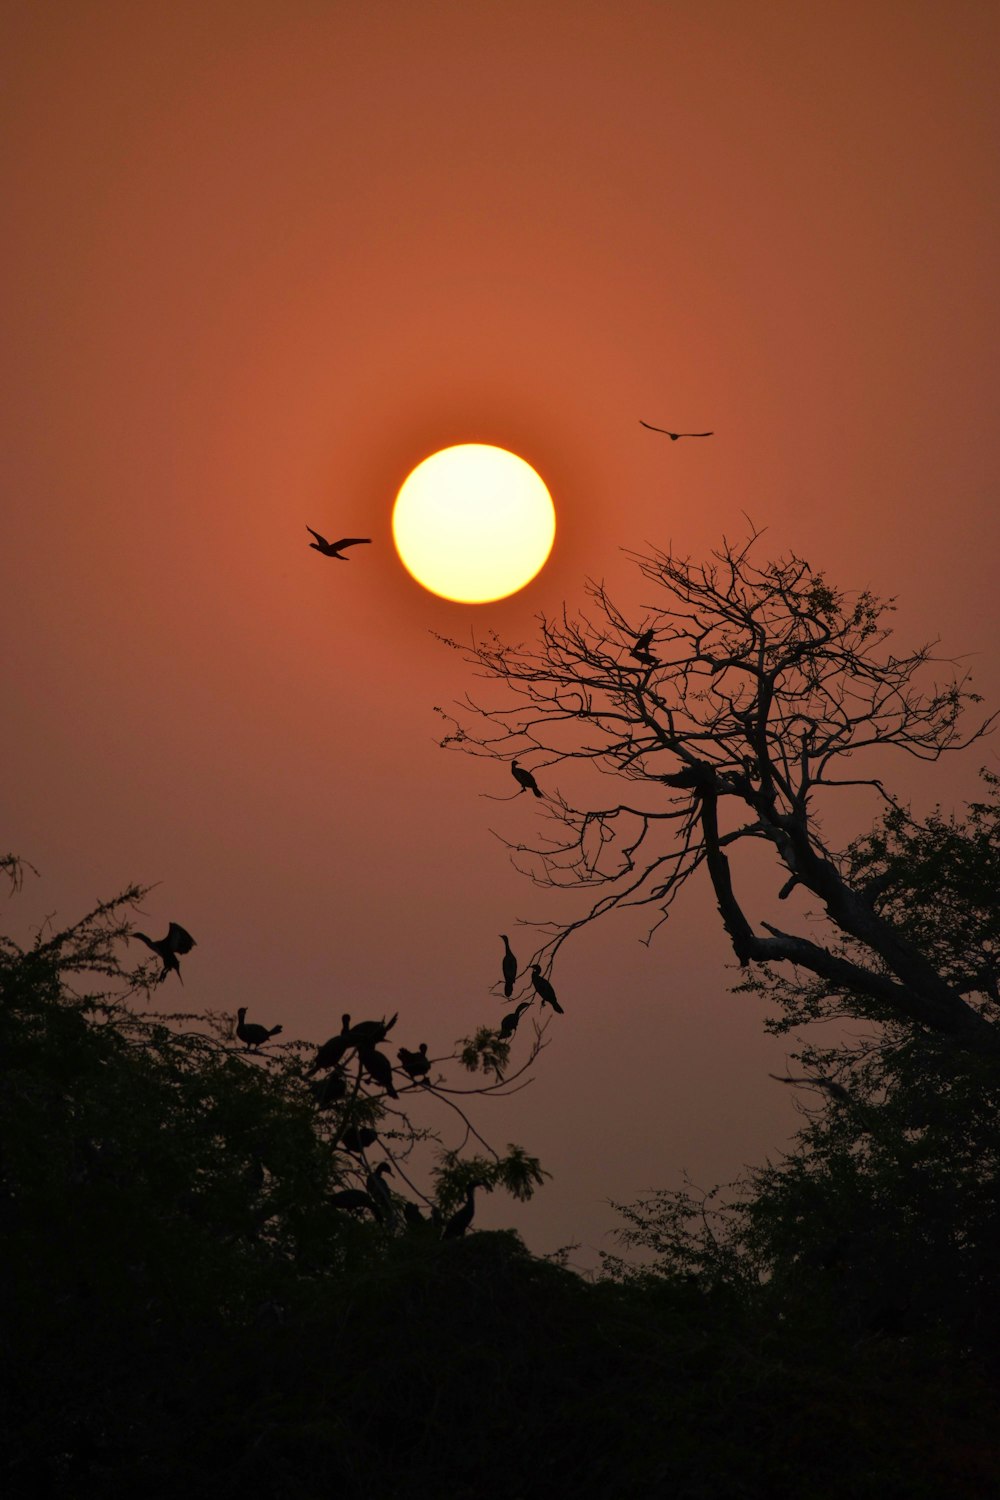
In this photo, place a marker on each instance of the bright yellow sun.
(473, 523)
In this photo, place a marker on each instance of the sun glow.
(473, 523)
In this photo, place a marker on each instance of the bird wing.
(658, 429)
(321, 539)
(178, 939)
(696, 434)
(350, 541)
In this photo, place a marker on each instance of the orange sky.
(261, 260)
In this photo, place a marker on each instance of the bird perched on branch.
(251, 1033)
(830, 1085)
(368, 1033)
(641, 650)
(378, 1066)
(509, 1023)
(417, 1064)
(177, 942)
(332, 1051)
(378, 1192)
(508, 967)
(459, 1222)
(673, 436)
(358, 1138)
(333, 549)
(524, 778)
(330, 1090)
(544, 989)
(351, 1199)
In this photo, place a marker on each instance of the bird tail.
(274, 1030)
(556, 1006)
(508, 989)
(536, 791)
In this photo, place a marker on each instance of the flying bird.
(508, 967)
(524, 778)
(252, 1034)
(509, 1023)
(673, 436)
(544, 989)
(333, 549)
(415, 1063)
(177, 941)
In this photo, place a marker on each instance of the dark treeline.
(185, 1311)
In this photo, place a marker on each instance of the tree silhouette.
(770, 693)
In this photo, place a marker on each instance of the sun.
(473, 523)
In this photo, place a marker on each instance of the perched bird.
(544, 989)
(252, 1034)
(368, 1033)
(332, 549)
(830, 1085)
(375, 1183)
(378, 1066)
(358, 1138)
(177, 941)
(459, 1222)
(415, 1063)
(641, 650)
(525, 779)
(411, 1213)
(509, 1023)
(331, 1052)
(673, 436)
(352, 1198)
(330, 1090)
(508, 967)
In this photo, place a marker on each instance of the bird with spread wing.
(333, 549)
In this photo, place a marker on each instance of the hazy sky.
(261, 259)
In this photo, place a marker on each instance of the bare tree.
(747, 695)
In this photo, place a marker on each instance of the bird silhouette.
(417, 1064)
(252, 1034)
(177, 941)
(673, 436)
(368, 1033)
(352, 1198)
(358, 1138)
(330, 1090)
(332, 549)
(459, 1222)
(379, 1193)
(524, 778)
(641, 650)
(378, 1066)
(331, 1052)
(508, 967)
(830, 1085)
(509, 1023)
(544, 989)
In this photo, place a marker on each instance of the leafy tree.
(884, 1218)
(746, 698)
